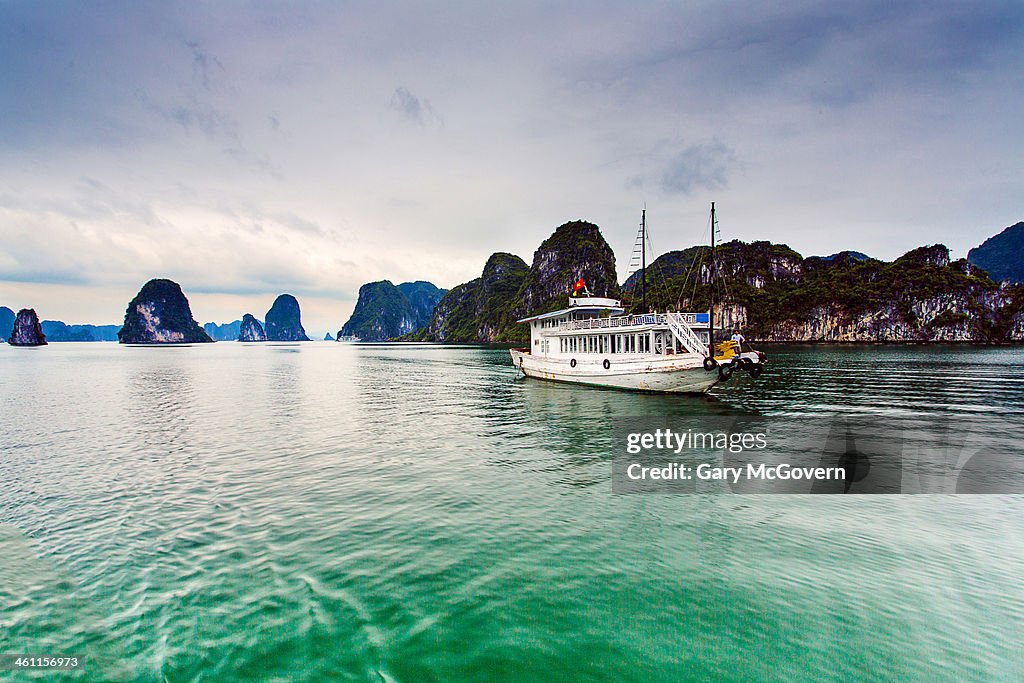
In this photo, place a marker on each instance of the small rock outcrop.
(284, 320)
(26, 330)
(160, 314)
(250, 330)
(328, 337)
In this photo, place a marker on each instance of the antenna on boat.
(643, 259)
(638, 260)
(714, 278)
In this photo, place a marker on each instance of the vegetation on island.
(486, 309)
(386, 311)
(160, 313)
(777, 287)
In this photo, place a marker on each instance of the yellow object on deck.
(725, 350)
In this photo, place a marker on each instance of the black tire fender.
(607, 364)
(725, 372)
(572, 363)
(710, 363)
(756, 370)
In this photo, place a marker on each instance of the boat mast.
(714, 279)
(643, 259)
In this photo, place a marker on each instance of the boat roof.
(591, 307)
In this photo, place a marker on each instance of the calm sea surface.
(414, 513)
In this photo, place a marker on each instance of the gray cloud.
(412, 108)
(202, 63)
(703, 166)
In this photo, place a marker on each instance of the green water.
(370, 513)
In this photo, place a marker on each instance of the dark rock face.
(1002, 256)
(386, 311)
(284, 320)
(478, 311)
(26, 330)
(756, 264)
(250, 330)
(328, 337)
(223, 332)
(773, 294)
(422, 297)
(382, 312)
(6, 322)
(575, 250)
(160, 314)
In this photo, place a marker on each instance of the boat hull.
(683, 374)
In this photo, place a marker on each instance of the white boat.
(593, 342)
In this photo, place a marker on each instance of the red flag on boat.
(578, 286)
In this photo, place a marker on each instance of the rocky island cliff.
(160, 314)
(284, 320)
(386, 311)
(26, 330)
(477, 311)
(774, 294)
(250, 329)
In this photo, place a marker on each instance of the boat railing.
(620, 321)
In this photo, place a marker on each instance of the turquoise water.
(379, 513)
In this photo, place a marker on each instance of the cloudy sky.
(249, 149)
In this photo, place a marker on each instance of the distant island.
(160, 314)
(224, 331)
(26, 330)
(283, 321)
(251, 330)
(386, 311)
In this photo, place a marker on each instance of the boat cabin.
(596, 325)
